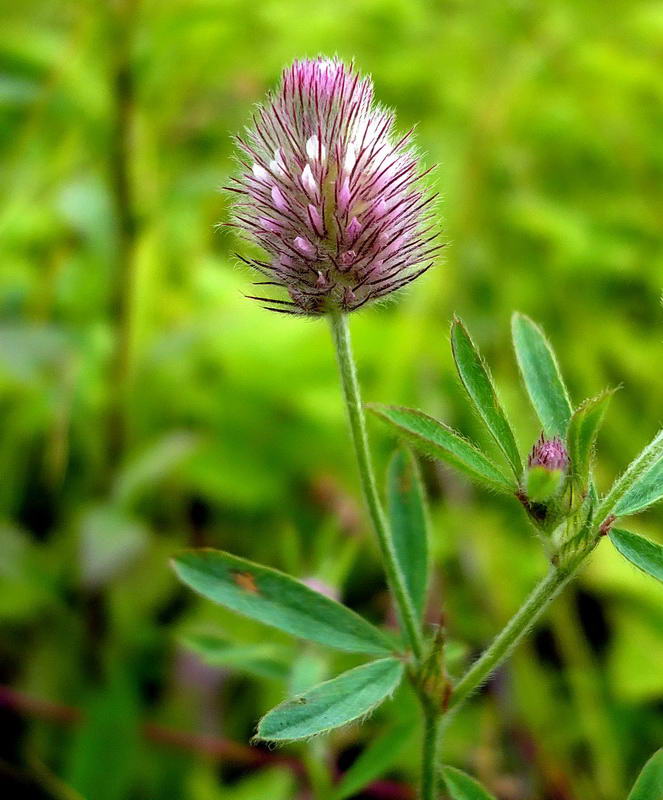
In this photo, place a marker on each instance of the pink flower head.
(329, 192)
(549, 453)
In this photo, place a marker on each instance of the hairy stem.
(395, 579)
(429, 755)
(515, 630)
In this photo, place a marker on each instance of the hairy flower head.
(329, 192)
(550, 454)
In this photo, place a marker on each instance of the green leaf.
(461, 787)
(646, 491)
(351, 695)
(433, 438)
(645, 554)
(541, 374)
(265, 660)
(640, 485)
(649, 785)
(276, 599)
(479, 386)
(407, 518)
(374, 761)
(581, 437)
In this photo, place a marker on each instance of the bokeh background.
(146, 405)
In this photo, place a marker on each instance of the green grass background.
(147, 405)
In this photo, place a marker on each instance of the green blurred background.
(147, 405)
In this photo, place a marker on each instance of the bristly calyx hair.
(551, 454)
(338, 202)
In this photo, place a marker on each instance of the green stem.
(395, 579)
(429, 755)
(514, 631)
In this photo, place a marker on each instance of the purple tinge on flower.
(333, 197)
(549, 453)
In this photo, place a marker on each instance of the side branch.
(514, 631)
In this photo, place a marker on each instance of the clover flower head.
(550, 454)
(335, 199)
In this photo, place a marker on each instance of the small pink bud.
(550, 454)
(392, 247)
(304, 246)
(279, 199)
(347, 259)
(270, 225)
(349, 297)
(315, 220)
(381, 209)
(344, 196)
(353, 229)
(546, 469)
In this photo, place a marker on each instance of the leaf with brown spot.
(246, 581)
(276, 599)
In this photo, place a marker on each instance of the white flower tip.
(308, 181)
(260, 172)
(350, 157)
(315, 150)
(277, 169)
(277, 164)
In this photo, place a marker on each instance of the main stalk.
(352, 395)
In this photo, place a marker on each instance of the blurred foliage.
(147, 405)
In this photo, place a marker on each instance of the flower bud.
(328, 189)
(547, 466)
(549, 453)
